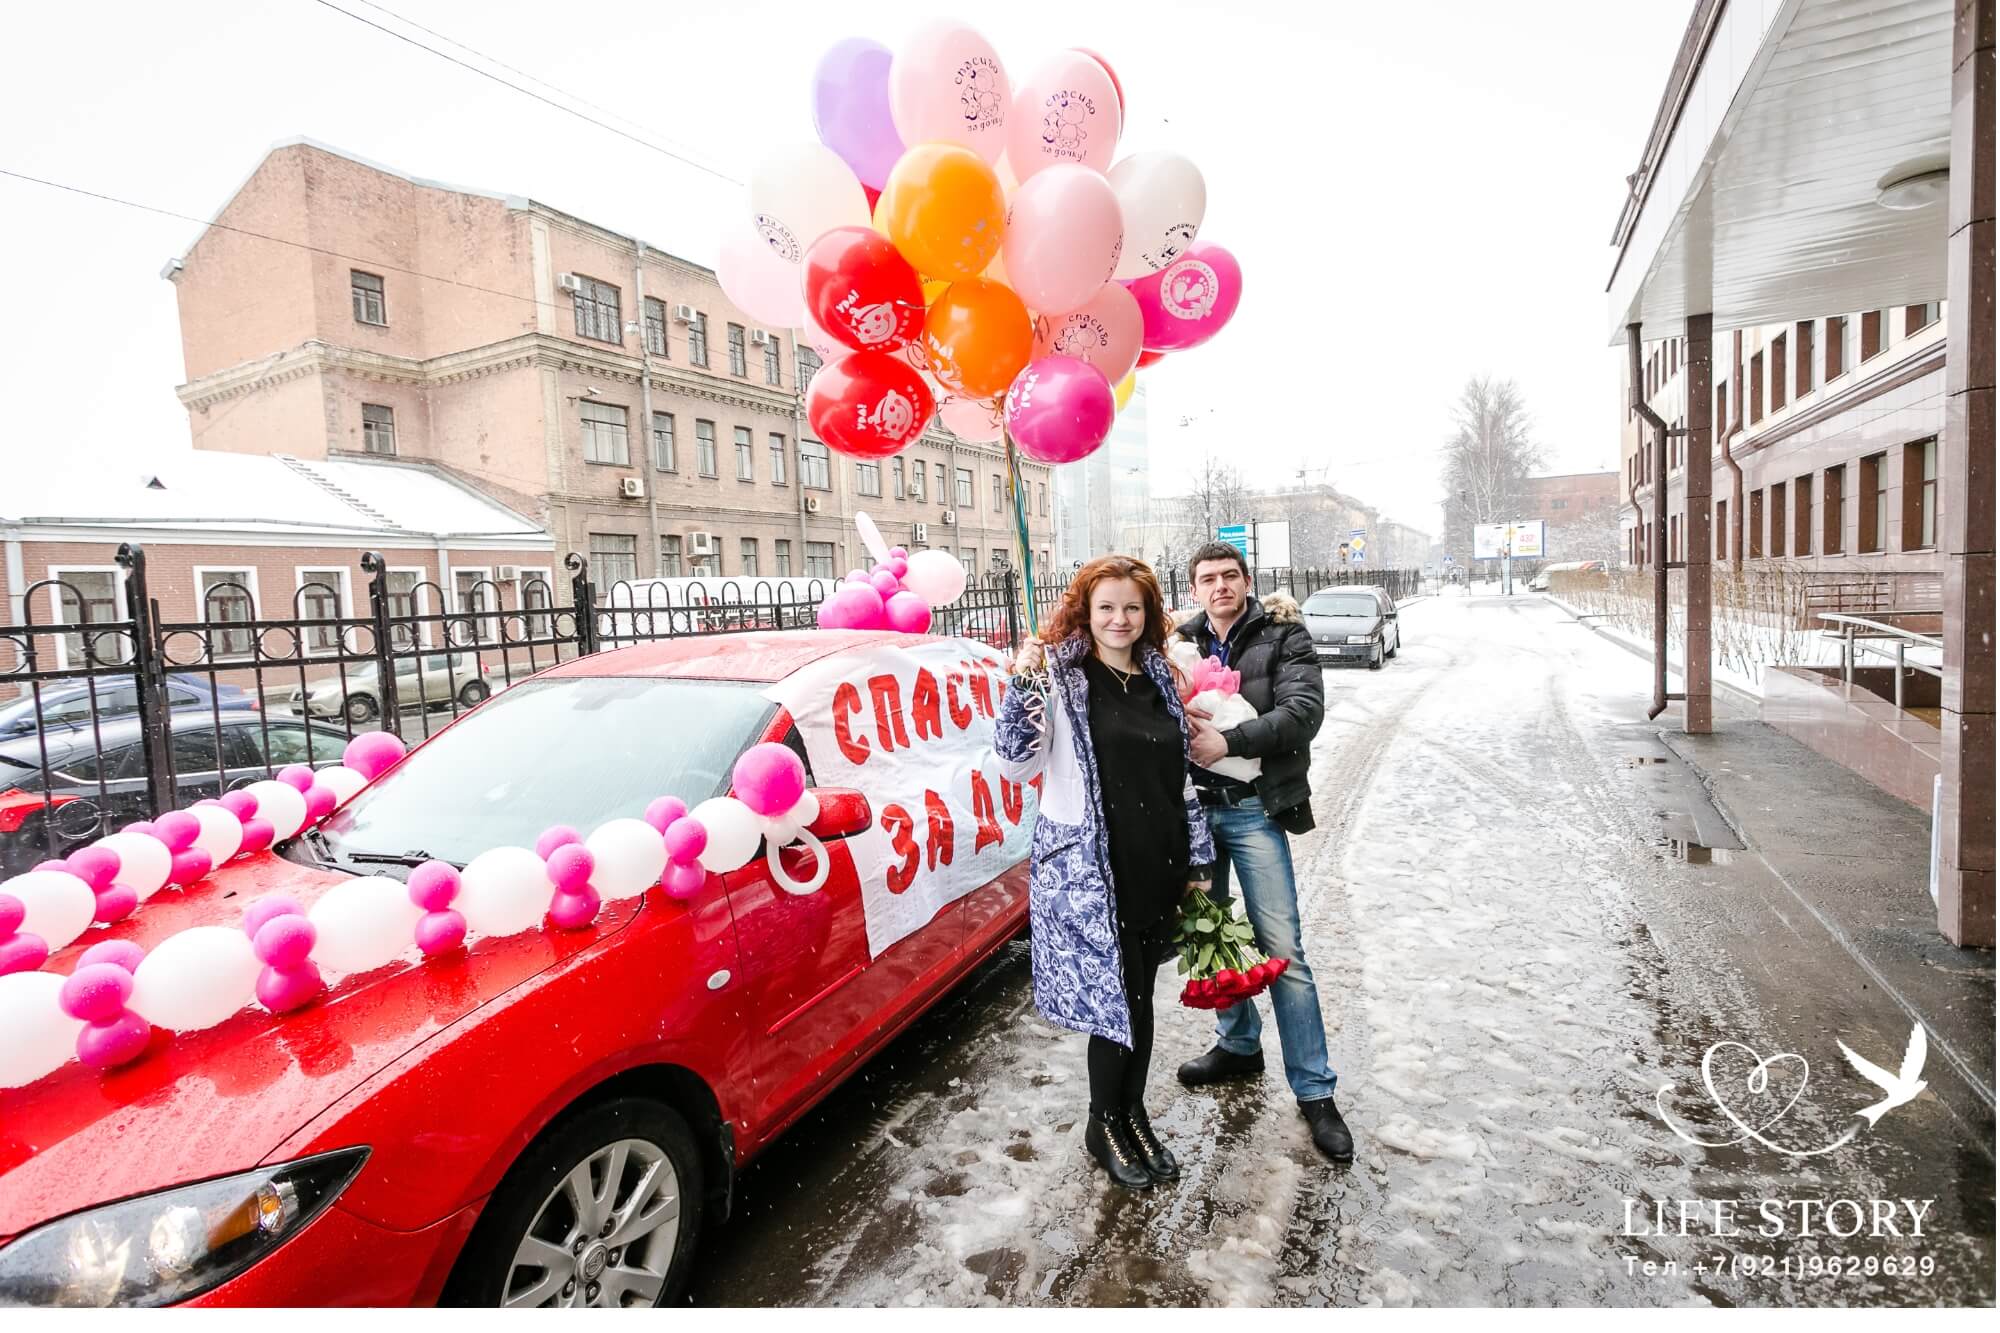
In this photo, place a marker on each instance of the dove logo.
(1729, 1083)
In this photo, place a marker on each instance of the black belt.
(1234, 793)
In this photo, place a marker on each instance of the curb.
(1584, 618)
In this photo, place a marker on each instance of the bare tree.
(1487, 460)
(1216, 497)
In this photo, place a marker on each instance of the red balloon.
(861, 291)
(1151, 358)
(1116, 86)
(869, 404)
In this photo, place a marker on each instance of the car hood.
(1317, 625)
(202, 1104)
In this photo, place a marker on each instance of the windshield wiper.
(414, 858)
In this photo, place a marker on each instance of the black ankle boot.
(1158, 1160)
(1109, 1139)
(1329, 1130)
(1219, 1065)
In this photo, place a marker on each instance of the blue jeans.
(1246, 839)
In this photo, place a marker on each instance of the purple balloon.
(1187, 302)
(850, 97)
(1060, 409)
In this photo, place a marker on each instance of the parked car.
(1353, 623)
(552, 1117)
(1540, 583)
(68, 703)
(357, 697)
(96, 779)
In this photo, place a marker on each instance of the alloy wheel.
(604, 1236)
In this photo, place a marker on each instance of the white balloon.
(1163, 198)
(221, 832)
(36, 1036)
(733, 833)
(822, 867)
(803, 815)
(60, 906)
(195, 979)
(799, 194)
(936, 576)
(281, 805)
(143, 861)
(504, 891)
(342, 781)
(871, 537)
(630, 855)
(363, 924)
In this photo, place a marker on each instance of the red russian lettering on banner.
(846, 703)
(888, 697)
(896, 822)
(961, 712)
(943, 834)
(1011, 804)
(982, 693)
(988, 834)
(924, 708)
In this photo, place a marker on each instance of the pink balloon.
(12, 913)
(973, 419)
(769, 778)
(285, 941)
(440, 932)
(178, 829)
(257, 835)
(574, 910)
(559, 835)
(118, 1042)
(946, 85)
(757, 279)
(96, 993)
(297, 776)
(22, 953)
(433, 885)
(145, 826)
(570, 867)
(663, 811)
(898, 565)
(190, 866)
(373, 753)
(1107, 331)
(686, 840)
(855, 606)
(1190, 300)
(239, 803)
(899, 553)
(884, 583)
(1066, 111)
(120, 953)
(319, 803)
(283, 989)
(684, 881)
(909, 614)
(95, 866)
(269, 908)
(116, 903)
(1064, 234)
(1060, 409)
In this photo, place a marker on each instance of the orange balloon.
(933, 289)
(978, 337)
(944, 209)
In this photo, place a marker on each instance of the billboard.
(1525, 541)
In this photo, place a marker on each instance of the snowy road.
(1512, 962)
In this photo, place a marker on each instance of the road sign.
(1237, 535)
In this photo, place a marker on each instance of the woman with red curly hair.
(1119, 838)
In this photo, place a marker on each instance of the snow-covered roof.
(347, 501)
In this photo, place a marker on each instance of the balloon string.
(1020, 488)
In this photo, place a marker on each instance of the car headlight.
(174, 1245)
(1361, 638)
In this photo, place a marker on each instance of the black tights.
(1118, 1076)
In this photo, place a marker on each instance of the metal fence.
(112, 713)
(1302, 583)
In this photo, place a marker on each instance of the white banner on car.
(912, 729)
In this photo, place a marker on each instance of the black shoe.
(1109, 1139)
(1154, 1153)
(1329, 1131)
(1219, 1065)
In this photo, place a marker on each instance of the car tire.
(473, 693)
(532, 1205)
(360, 708)
(1375, 662)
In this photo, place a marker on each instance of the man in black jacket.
(1268, 643)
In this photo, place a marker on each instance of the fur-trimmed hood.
(1279, 606)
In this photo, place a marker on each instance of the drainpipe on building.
(799, 453)
(17, 584)
(646, 471)
(1659, 551)
(1735, 500)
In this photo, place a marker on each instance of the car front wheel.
(1375, 662)
(603, 1211)
(360, 708)
(473, 693)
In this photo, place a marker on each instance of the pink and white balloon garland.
(898, 592)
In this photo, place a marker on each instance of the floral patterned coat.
(1072, 916)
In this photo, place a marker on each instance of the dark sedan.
(69, 703)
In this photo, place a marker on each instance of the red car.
(547, 1118)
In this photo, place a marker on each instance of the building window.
(965, 488)
(746, 455)
(999, 504)
(781, 555)
(228, 596)
(706, 564)
(868, 479)
(595, 305)
(777, 459)
(537, 599)
(1756, 388)
(321, 595)
(772, 343)
(970, 559)
(749, 557)
(917, 487)
(403, 595)
(1722, 529)
(477, 601)
(1833, 509)
(698, 341)
(808, 363)
(670, 557)
(378, 429)
(656, 326)
(1920, 495)
(614, 559)
(704, 448)
(1874, 535)
(604, 434)
(1836, 347)
(1756, 533)
(369, 305)
(738, 354)
(88, 597)
(1778, 365)
(898, 488)
(1042, 498)
(1802, 515)
(815, 468)
(1917, 318)
(1874, 334)
(1721, 410)
(1802, 339)
(1558, 503)
(663, 442)
(1777, 520)
(819, 560)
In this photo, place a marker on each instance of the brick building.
(602, 387)
(1580, 510)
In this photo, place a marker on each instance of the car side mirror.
(843, 812)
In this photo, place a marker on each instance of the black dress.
(1142, 767)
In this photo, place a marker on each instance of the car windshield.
(1342, 604)
(575, 750)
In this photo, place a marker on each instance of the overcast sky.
(1417, 192)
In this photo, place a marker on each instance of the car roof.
(124, 729)
(763, 657)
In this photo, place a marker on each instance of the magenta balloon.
(908, 613)
(850, 96)
(1060, 409)
(1188, 302)
(769, 778)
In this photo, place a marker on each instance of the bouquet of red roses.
(1215, 947)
